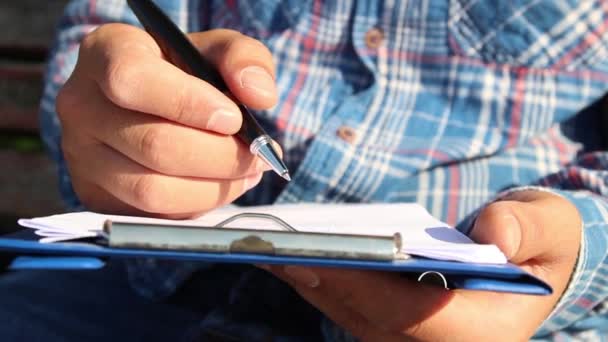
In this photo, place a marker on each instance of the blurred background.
(28, 184)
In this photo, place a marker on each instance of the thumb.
(530, 225)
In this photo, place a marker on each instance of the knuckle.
(119, 80)
(184, 104)
(148, 192)
(154, 147)
(94, 39)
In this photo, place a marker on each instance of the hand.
(538, 231)
(141, 136)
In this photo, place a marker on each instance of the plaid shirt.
(445, 103)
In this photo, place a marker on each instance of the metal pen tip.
(262, 147)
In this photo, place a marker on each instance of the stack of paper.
(423, 235)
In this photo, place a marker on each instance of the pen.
(174, 43)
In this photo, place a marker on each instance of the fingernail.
(259, 80)
(224, 121)
(252, 181)
(302, 276)
(513, 234)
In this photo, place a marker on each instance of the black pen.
(174, 43)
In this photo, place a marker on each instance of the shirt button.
(347, 134)
(374, 37)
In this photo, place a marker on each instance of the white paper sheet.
(423, 235)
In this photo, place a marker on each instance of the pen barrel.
(175, 45)
(250, 129)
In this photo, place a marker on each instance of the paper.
(423, 235)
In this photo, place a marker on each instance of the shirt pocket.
(530, 33)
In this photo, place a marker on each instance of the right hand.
(140, 136)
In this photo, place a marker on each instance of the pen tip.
(286, 176)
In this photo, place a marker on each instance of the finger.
(397, 306)
(97, 199)
(245, 64)
(132, 74)
(529, 225)
(167, 147)
(391, 294)
(149, 191)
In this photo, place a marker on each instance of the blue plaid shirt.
(445, 103)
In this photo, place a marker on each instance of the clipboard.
(124, 240)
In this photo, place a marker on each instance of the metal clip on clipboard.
(285, 242)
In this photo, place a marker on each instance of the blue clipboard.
(87, 255)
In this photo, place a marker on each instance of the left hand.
(538, 231)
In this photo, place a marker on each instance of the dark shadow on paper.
(447, 234)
